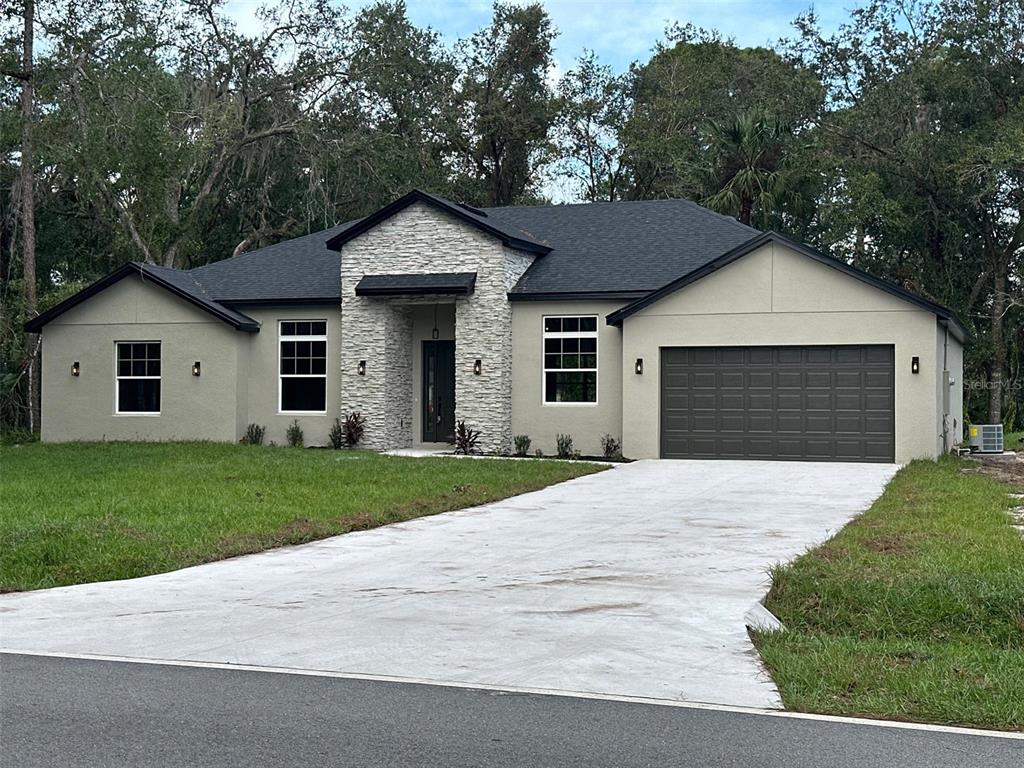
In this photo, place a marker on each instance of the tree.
(507, 105)
(747, 179)
(593, 103)
(26, 189)
(155, 121)
(926, 118)
(391, 125)
(695, 80)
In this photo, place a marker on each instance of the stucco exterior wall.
(775, 296)
(422, 239)
(206, 407)
(586, 422)
(259, 380)
(949, 411)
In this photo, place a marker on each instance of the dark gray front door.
(811, 403)
(438, 391)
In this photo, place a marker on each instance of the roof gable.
(179, 283)
(509, 235)
(944, 314)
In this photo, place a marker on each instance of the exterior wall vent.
(986, 438)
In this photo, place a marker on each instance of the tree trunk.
(997, 319)
(746, 209)
(28, 214)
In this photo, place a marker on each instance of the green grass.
(1013, 441)
(87, 512)
(914, 611)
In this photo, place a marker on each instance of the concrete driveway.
(633, 581)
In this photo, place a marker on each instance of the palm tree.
(747, 175)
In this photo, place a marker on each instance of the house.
(677, 330)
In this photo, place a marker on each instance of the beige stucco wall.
(259, 390)
(949, 353)
(193, 408)
(775, 296)
(584, 421)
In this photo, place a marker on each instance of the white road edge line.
(529, 691)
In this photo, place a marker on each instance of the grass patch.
(85, 512)
(914, 611)
(1013, 441)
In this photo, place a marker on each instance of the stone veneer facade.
(419, 239)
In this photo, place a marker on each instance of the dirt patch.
(360, 522)
(1005, 468)
(888, 545)
(300, 528)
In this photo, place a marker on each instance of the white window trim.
(282, 376)
(118, 378)
(544, 335)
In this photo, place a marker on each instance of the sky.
(619, 31)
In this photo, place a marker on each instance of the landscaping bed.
(914, 611)
(84, 512)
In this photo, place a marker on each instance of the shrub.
(254, 434)
(563, 446)
(337, 435)
(612, 448)
(522, 444)
(294, 434)
(16, 436)
(353, 426)
(465, 438)
(539, 453)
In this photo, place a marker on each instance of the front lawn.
(85, 512)
(914, 611)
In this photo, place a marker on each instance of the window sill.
(302, 413)
(570, 405)
(148, 414)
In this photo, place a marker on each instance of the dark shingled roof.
(423, 284)
(296, 270)
(623, 249)
(619, 248)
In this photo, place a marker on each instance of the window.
(570, 359)
(138, 377)
(303, 366)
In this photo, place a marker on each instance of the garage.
(818, 403)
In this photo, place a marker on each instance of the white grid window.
(137, 377)
(303, 366)
(570, 359)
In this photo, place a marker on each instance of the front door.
(438, 391)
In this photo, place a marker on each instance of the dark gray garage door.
(812, 403)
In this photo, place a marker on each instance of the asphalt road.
(64, 712)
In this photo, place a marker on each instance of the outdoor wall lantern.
(639, 368)
(76, 368)
(915, 365)
(478, 367)
(196, 368)
(361, 368)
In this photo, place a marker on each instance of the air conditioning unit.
(986, 438)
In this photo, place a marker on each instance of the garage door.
(810, 403)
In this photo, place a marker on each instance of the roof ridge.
(652, 201)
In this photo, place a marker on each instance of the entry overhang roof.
(418, 284)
